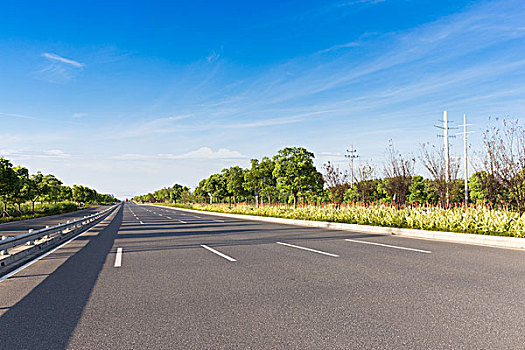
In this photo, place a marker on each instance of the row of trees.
(174, 194)
(499, 179)
(290, 176)
(17, 187)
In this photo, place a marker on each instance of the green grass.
(41, 210)
(478, 220)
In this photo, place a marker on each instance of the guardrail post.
(46, 236)
(31, 242)
(4, 251)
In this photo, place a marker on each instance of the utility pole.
(352, 156)
(447, 152)
(465, 154)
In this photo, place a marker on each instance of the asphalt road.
(19, 227)
(172, 289)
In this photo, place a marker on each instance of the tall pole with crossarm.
(465, 155)
(352, 156)
(445, 128)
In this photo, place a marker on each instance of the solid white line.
(309, 249)
(218, 253)
(118, 258)
(41, 257)
(389, 246)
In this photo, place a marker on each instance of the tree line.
(291, 177)
(17, 187)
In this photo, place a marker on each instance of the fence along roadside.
(17, 250)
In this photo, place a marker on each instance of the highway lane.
(18, 227)
(315, 291)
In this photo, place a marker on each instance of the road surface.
(159, 278)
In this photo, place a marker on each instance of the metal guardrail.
(30, 237)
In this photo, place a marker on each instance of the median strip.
(218, 253)
(389, 246)
(308, 249)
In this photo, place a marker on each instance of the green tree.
(8, 183)
(23, 187)
(215, 186)
(176, 192)
(252, 180)
(37, 189)
(54, 186)
(79, 194)
(234, 177)
(268, 182)
(484, 188)
(295, 172)
(417, 190)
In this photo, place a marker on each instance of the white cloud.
(206, 153)
(79, 115)
(201, 153)
(56, 153)
(57, 58)
(28, 155)
(133, 156)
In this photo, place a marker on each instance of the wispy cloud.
(56, 153)
(14, 115)
(339, 47)
(20, 154)
(57, 58)
(201, 153)
(133, 156)
(206, 153)
(58, 69)
(79, 115)
(214, 56)
(360, 2)
(395, 75)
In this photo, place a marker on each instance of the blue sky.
(128, 97)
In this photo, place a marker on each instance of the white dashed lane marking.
(218, 253)
(308, 249)
(389, 246)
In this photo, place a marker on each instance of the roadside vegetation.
(481, 220)
(24, 196)
(288, 185)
